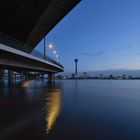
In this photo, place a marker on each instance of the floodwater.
(71, 110)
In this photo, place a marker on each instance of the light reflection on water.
(25, 84)
(52, 108)
(72, 110)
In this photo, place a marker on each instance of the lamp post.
(44, 48)
(59, 59)
(75, 60)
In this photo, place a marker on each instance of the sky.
(102, 34)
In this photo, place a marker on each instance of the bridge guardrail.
(7, 40)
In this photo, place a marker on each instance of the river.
(70, 110)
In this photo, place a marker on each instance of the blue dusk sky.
(102, 34)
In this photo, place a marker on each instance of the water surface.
(71, 110)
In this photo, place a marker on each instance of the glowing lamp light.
(50, 46)
(54, 52)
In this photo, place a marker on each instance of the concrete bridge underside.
(23, 24)
(28, 21)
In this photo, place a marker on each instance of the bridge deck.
(19, 60)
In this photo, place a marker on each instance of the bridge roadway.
(19, 61)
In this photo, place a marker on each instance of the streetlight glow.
(54, 52)
(50, 46)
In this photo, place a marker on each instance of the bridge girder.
(28, 21)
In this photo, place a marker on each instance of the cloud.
(129, 47)
(99, 53)
(133, 54)
(87, 54)
(102, 52)
(105, 52)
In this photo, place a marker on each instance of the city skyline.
(103, 35)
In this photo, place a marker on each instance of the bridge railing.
(7, 40)
(40, 55)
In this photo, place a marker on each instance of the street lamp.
(44, 48)
(50, 46)
(54, 52)
(58, 57)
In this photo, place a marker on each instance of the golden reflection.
(25, 84)
(52, 108)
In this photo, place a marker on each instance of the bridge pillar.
(22, 76)
(26, 77)
(42, 77)
(1, 75)
(37, 77)
(14, 76)
(51, 77)
(10, 76)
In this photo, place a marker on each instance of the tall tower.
(75, 60)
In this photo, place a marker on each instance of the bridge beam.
(26, 62)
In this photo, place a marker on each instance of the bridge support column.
(42, 77)
(10, 76)
(1, 75)
(26, 77)
(22, 76)
(37, 77)
(14, 77)
(51, 77)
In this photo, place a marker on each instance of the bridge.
(23, 25)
